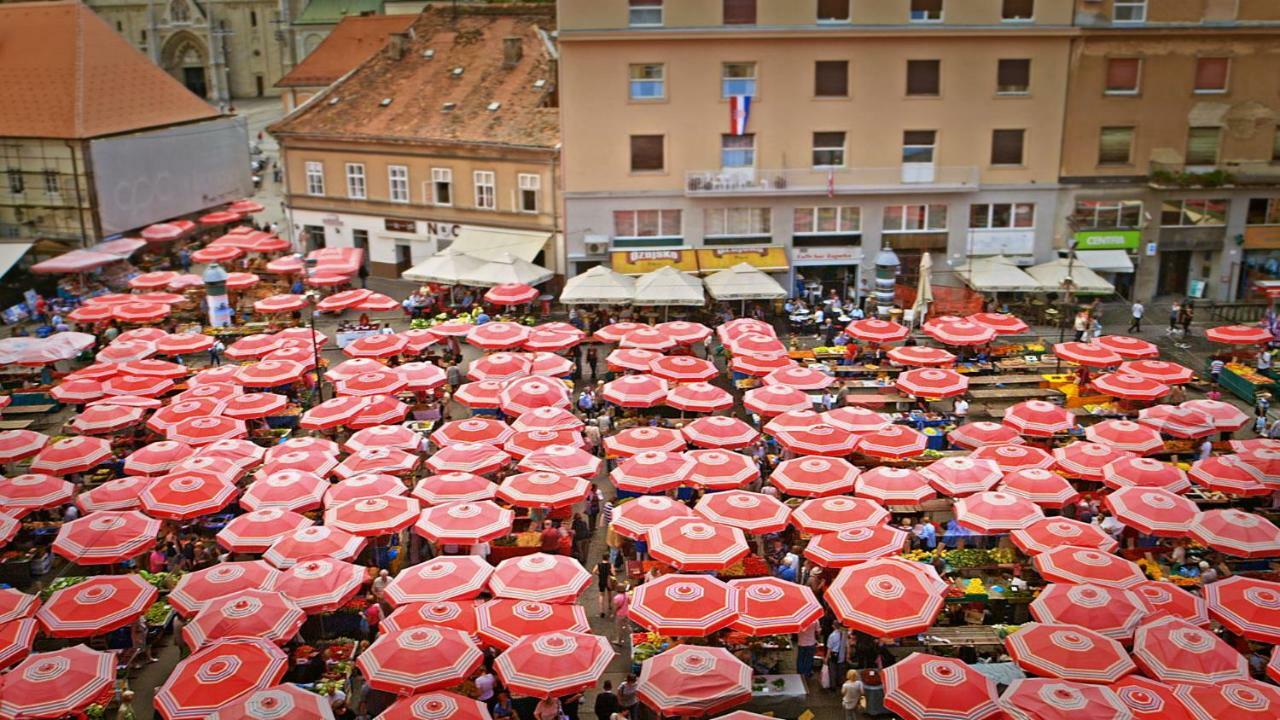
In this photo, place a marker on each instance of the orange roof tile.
(403, 99)
(350, 43)
(65, 73)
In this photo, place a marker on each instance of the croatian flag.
(739, 113)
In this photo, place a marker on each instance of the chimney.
(512, 51)
(395, 45)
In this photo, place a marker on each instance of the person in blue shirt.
(482, 318)
(927, 534)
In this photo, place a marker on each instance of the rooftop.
(448, 79)
(65, 73)
(328, 12)
(353, 41)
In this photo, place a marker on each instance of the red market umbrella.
(683, 368)
(751, 512)
(454, 487)
(959, 332)
(1081, 565)
(636, 391)
(252, 406)
(269, 373)
(855, 545)
(436, 706)
(1131, 387)
(137, 385)
(379, 410)
(394, 436)
(152, 280)
(530, 393)
(152, 368)
(633, 359)
(332, 413)
(343, 300)
(374, 516)
(719, 431)
(1087, 354)
(280, 304)
(895, 442)
(214, 467)
(562, 459)
(540, 489)
(651, 472)
(926, 687)
(540, 578)
(497, 335)
(253, 346)
(1044, 488)
(800, 378)
(1152, 510)
(550, 341)
(353, 367)
(524, 443)
(1237, 533)
(1226, 417)
(1003, 324)
(756, 344)
(1173, 650)
(106, 537)
(196, 589)
(446, 578)
(255, 531)
(464, 523)
(56, 684)
(1014, 457)
(760, 365)
(1246, 606)
(317, 461)
(511, 294)
(1225, 473)
(814, 476)
(877, 331)
(1125, 435)
(34, 491)
(856, 419)
(1110, 612)
(452, 328)
(554, 663)
(684, 605)
(693, 681)
(546, 418)
(1247, 700)
(71, 455)
(1086, 460)
(382, 382)
(633, 518)
(248, 614)
(320, 585)
(995, 512)
(95, 606)
(1179, 422)
(182, 496)
(887, 597)
(1037, 418)
(241, 452)
(90, 313)
(771, 400)
(16, 639)
(122, 351)
(219, 673)
(364, 485)
(418, 339)
(170, 415)
(16, 605)
(832, 514)
(744, 326)
(921, 356)
(1239, 335)
(1053, 699)
(693, 544)
(157, 458)
(376, 346)
(212, 384)
(551, 365)
(977, 434)
(648, 339)
(634, 441)
(140, 312)
(456, 615)
(377, 460)
(770, 606)
(1149, 700)
(685, 332)
(932, 383)
(699, 397)
(1069, 652)
(1050, 533)
(483, 395)
(958, 476)
(818, 439)
(312, 542)
(241, 280)
(275, 703)
(1165, 372)
(1129, 348)
(894, 486)
(1145, 473)
(76, 391)
(119, 494)
(419, 659)
(1263, 463)
(499, 366)
(183, 344)
(468, 457)
(501, 623)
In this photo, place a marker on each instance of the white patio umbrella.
(669, 286)
(599, 286)
(506, 269)
(743, 282)
(446, 267)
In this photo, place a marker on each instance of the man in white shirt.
(1264, 360)
(806, 647)
(1138, 310)
(961, 409)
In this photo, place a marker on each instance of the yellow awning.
(769, 259)
(639, 262)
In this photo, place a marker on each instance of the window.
(737, 151)
(918, 145)
(737, 78)
(926, 10)
(1115, 146)
(486, 192)
(1192, 213)
(646, 223)
(739, 12)
(833, 11)
(119, 27)
(831, 78)
(529, 185)
(1108, 214)
(1123, 76)
(648, 82)
(828, 149)
(1129, 11)
(1263, 211)
(647, 153)
(841, 220)
(1013, 77)
(1211, 74)
(645, 13)
(1202, 145)
(915, 218)
(1002, 216)
(253, 18)
(442, 186)
(315, 178)
(1006, 146)
(355, 181)
(398, 183)
(51, 185)
(736, 222)
(1014, 10)
(923, 77)
(16, 184)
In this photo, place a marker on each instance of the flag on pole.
(739, 113)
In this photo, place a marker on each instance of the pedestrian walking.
(621, 614)
(1175, 313)
(604, 582)
(1187, 317)
(606, 702)
(593, 509)
(215, 352)
(1137, 311)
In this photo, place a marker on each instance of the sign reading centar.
(1108, 240)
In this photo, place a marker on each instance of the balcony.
(1228, 173)
(917, 177)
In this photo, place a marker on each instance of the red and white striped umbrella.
(750, 512)
(448, 578)
(921, 356)
(451, 328)
(321, 585)
(16, 639)
(894, 486)
(648, 338)
(1131, 387)
(255, 531)
(277, 702)
(856, 419)
(1237, 533)
(90, 313)
(770, 606)
(1226, 417)
(33, 491)
(683, 368)
(693, 544)
(694, 681)
(540, 578)
(106, 537)
(195, 589)
(1225, 473)
(551, 341)
(152, 280)
(832, 514)
(1179, 422)
(501, 623)
(317, 461)
(456, 615)
(685, 332)
(887, 597)
(312, 542)
(1037, 418)
(381, 382)
(95, 606)
(995, 512)
(1245, 700)
(353, 367)
(500, 367)
(210, 385)
(140, 312)
(454, 487)
(1246, 606)
(421, 376)
(137, 385)
(554, 663)
(932, 383)
(551, 365)
(1050, 533)
(1069, 652)
(385, 460)
(546, 418)
(118, 494)
(895, 442)
(1164, 372)
(364, 485)
(152, 368)
(436, 706)
(652, 472)
(1054, 699)
(720, 432)
(1111, 612)
(122, 351)
(57, 684)
(814, 476)
(1002, 323)
(756, 345)
(497, 335)
(529, 393)
(771, 400)
(1080, 565)
(542, 489)
(1135, 472)
(801, 378)
(793, 420)
(633, 518)
(183, 344)
(760, 365)
(1087, 354)
(1173, 650)
(873, 330)
(511, 294)
(343, 300)
(1086, 460)
(636, 391)
(170, 415)
(1129, 348)
(854, 545)
(818, 440)
(157, 458)
(524, 443)
(1239, 335)
(1262, 462)
(252, 346)
(684, 605)
(280, 303)
(71, 455)
(218, 674)
(394, 436)
(699, 397)
(958, 476)
(562, 459)
(464, 523)
(379, 410)
(376, 346)
(743, 326)
(483, 395)
(241, 452)
(252, 406)
(1014, 457)
(373, 516)
(269, 373)
(633, 359)
(246, 614)
(1125, 435)
(921, 687)
(419, 659)
(182, 496)
(468, 457)
(1042, 487)
(75, 391)
(959, 332)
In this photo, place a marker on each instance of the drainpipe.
(75, 179)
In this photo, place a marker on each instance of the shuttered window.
(1211, 74)
(1202, 145)
(1013, 77)
(833, 10)
(647, 153)
(831, 78)
(1123, 75)
(739, 12)
(1115, 146)
(1006, 147)
(922, 77)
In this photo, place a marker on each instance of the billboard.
(150, 177)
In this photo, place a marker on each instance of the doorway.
(1175, 270)
(259, 86)
(404, 258)
(193, 78)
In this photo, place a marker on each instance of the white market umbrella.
(599, 286)
(743, 282)
(669, 286)
(505, 270)
(446, 267)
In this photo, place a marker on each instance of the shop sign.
(1262, 238)
(761, 258)
(401, 226)
(826, 255)
(1002, 242)
(331, 221)
(639, 262)
(1108, 240)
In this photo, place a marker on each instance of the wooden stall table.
(963, 636)
(1006, 380)
(1014, 394)
(15, 424)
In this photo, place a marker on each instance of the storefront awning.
(639, 262)
(493, 243)
(768, 259)
(10, 254)
(1085, 281)
(1107, 261)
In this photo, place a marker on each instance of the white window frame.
(843, 150)
(929, 213)
(441, 176)
(1113, 208)
(748, 154)
(51, 186)
(486, 189)
(842, 213)
(1187, 205)
(911, 14)
(660, 82)
(1271, 216)
(725, 80)
(634, 12)
(357, 186)
(1013, 216)
(931, 147)
(529, 183)
(1226, 86)
(756, 222)
(635, 223)
(314, 172)
(398, 183)
(1135, 9)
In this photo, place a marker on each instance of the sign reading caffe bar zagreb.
(1108, 240)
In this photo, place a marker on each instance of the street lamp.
(313, 298)
(1068, 282)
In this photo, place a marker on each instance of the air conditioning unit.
(597, 247)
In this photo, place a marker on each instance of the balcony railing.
(1223, 174)
(904, 178)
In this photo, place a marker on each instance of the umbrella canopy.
(277, 702)
(296, 490)
(501, 623)
(924, 687)
(1078, 565)
(1111, 612)
(436, 706)
(1145, 473)
(651, 472)
(248, 613)
(1044, 488)
(1125, 435)
(454, 577)
(1225, 473)
(377, 460)
(1087, 354)
(498, 335)
(255, 531)
(456, 615)
(636, 441)
(692, 544)
(1179, 422)
(699, 397)
(157, 458)
(468, 457)
(832, 514)
(683, 368)
(530, 393)
(719, 431)
(543, 489)
(634, 517)
(118, 494)
(814, 476)
(96, 606)
(1153, 511)
(887, 597)
(1239, 335)
(181, 496)
(977, 434)
(894, 486)
(921, 356)
(1159, 370)
(895, 442)
(932, 383)
(1002, 323)
(1054, 532)
(1131, 387)
(465, 523)
(1246, 606)
(1052, 699)
(55, 684)
(419, 659)
(562, 459)
(539, 577)
(636, 391)
(554, 663)
(1237, 533)
(874, 330)
(196, 589)
(454, 487)
(1247, 700)
(1086, 460)
(770, 606)
(313, 541)
(33, 491)
(959, 332)
(801, 378)
(321, 585)
(1149, 700)
(524, 443)
(220, 673)
(851, 546)
(958, 476)
(856, 419)
(362, 486)
(1226, 417)
(684, 605)
(1129, 348)
(106, 537)
(771, 400)
(71, 455)
(1173, 650)
(996, 512)
(750, 512)
(1038, 418)
(1014, 457)
(694, 681)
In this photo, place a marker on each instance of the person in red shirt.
(565, 542)
(550, 541)
(372, 617)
